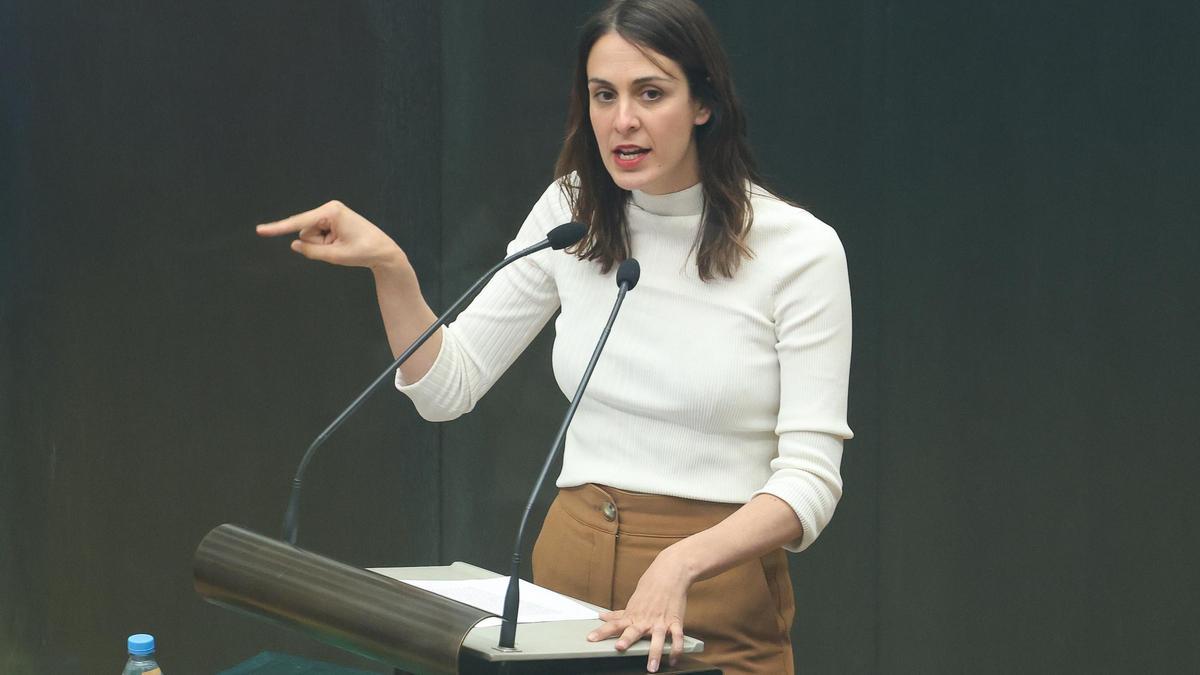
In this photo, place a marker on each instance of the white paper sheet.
(537, 603)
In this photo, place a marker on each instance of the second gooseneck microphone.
(558, 238)
(627, 277)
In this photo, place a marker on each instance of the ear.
(703, 114)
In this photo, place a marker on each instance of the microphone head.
(628, 273)
(566, 234)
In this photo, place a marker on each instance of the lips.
(629, 156)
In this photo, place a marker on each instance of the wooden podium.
(373, 614)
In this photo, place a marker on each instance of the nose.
(626, 119)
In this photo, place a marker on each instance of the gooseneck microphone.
(558, 238)
(627, 277)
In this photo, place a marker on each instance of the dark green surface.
(163, 368)
(270, 663)
(1015, 185)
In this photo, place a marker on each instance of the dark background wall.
(1013, 182)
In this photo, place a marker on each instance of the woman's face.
(643, 116)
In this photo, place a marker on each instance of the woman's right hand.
(334, 233)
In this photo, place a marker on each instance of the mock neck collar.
(686, 202)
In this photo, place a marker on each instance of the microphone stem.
(291, 516)
(508, 628)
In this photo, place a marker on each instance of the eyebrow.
(640, 80)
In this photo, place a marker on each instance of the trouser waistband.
(612, 510)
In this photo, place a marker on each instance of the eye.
(602, 95)
(652, 94)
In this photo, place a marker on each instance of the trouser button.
(609, 510)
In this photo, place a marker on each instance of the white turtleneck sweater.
(716, 390)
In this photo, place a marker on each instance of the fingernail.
(620, 646)
(592, 637)
(653, 666)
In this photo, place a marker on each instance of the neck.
(686, 202)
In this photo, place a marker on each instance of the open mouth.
(630, 152)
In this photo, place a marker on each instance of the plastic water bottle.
(141, 656)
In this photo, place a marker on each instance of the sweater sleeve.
(496, 326)
(813, 324)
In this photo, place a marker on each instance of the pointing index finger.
(297, 222)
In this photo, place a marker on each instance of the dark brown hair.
(678, 30)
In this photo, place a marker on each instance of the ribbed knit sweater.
(715, 390)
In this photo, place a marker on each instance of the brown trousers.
(597, 541)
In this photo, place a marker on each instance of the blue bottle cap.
(141, 644)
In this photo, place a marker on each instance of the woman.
(710, 438)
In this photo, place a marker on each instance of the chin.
(627, 182)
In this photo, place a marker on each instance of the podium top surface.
(535, 641)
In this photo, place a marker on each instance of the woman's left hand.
(655, 609)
